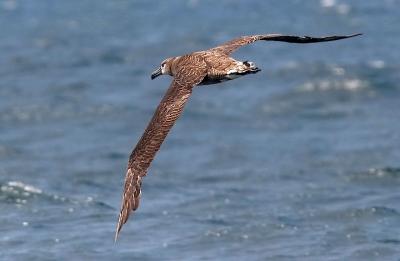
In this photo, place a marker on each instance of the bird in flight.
(199, 68)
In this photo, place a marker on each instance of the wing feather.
(191, 72)
(232, 45)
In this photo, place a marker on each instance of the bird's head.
(165, 68)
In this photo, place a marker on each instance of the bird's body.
(226, 70)
(199, 68)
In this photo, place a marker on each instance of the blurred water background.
(297, 162)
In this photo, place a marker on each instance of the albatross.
(198, 68)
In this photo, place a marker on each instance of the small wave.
(340, 8)
(327, 85)
(379, 173)
(393, 241)
(375, 210)
(18, 192)
(377, 64)
(24, 187)
(21, 193)
(42, 113)
(386, 175)
(10, 5)
(384, 172)
(217, 232)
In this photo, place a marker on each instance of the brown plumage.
(198, 68)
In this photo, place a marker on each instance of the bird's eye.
(163, 65)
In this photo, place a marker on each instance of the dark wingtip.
(119, 226)
(116, 234)
(339, 37)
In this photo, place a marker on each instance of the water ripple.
(21, 193)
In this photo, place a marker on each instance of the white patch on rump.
(233, 75)
(231, 71)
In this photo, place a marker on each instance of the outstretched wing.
(231, 46)
(191, 71)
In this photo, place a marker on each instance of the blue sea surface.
(300, 161)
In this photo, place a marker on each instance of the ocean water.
(297, 162)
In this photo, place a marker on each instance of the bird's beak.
(156, 73)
